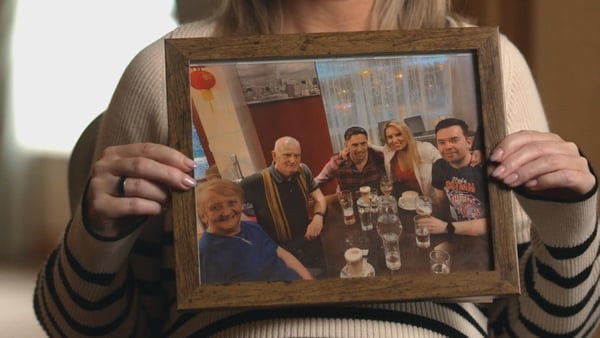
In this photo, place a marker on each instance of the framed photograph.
(230, 99)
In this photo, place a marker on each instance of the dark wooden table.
(468, 253)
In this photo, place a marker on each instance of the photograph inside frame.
(339, 168)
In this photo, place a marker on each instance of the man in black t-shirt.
(459, 188)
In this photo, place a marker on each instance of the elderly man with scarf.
(279, 196)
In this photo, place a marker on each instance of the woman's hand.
(544, 164)
(150, 170)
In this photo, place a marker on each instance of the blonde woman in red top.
(407, 160)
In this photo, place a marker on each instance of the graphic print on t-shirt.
(464, 198)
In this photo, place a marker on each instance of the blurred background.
(60, 62)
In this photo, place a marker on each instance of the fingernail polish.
(190, 163)
(496, 155)
(498, 171)
(531, 184)
(189, 182)
(511, 179)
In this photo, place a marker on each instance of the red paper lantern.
(203, 81)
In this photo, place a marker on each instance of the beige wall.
(566, 64)
(227, 123)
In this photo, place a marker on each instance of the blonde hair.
(412, 150)
(220, 186)
(247, 17)
(410, 14)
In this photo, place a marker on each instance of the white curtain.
(367, 92)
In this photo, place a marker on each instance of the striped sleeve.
(558, 241)
(559, 274)
(78, 294)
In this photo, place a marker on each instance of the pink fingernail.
(531, 184)
(511, 179)
(189, 182)
(498, 171)
(190, 163)
(496, 155)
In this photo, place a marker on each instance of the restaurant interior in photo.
(315, 101)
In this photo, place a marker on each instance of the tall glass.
(374, 206)
(424, 206)
(364, 214)
(347, 203)
(391, 249)
(422, 237)
(364, 208)
(388, 220)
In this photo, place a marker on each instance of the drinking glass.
(386, 184)
(388, 222)
(347, 203)
(422, 237)
(364, 208)
(391, 249)
(440, 261)
(374, 207)
(424, 206)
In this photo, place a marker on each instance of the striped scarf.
(282, 226)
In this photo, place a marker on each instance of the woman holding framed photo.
(112, 274)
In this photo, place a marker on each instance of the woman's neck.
(313, 16)
(403, 158)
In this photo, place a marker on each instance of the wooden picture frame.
(480, 44)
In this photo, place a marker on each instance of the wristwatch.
(320, 213)
(450, 228)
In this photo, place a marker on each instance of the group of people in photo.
(267, 227)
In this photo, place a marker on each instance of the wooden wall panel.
(513, 17)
